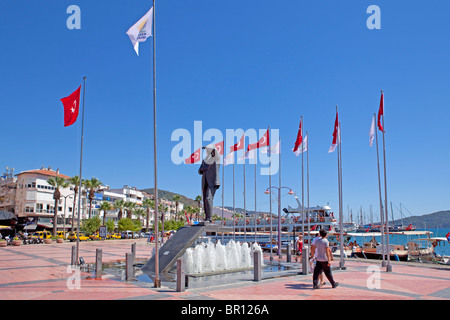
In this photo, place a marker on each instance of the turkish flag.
(263, 142)
(195, 157)
(299, 140)
(71, 107)
(381, 112)
(239, 145)
(219, 147)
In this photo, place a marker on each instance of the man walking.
(323, 259)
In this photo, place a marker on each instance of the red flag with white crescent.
(193, 158)
(239, 145)
(381, 112)
(299, 137)
(71, 105)
(263, 142)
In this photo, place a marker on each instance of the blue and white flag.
(141, 30)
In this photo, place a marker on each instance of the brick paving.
(40, 272)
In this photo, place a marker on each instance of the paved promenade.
(40, 272)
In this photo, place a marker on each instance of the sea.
(442, 249)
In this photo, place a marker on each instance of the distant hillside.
(169, 196)
(439, 219)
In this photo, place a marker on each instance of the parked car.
(42, 234)
(73, 237)
(127, 234)
(95, 236)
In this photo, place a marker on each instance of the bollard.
(288, 250)
(73, 260)
(305, 260)
(181, 279)
(257, 266)
(129, 272)
(133, 251)
(98, 261)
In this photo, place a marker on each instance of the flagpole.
(81, 167)
(307, 197)
(279, 203)
(245, 208)
(270, 199)
(389, 266)
(303, 197)
(383, 263)
(157, 281)
(341, 213)
(255, 195)
(223, 181)
(234, 206)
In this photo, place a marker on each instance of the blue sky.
(234, 64)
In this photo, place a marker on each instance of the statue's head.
(212, 154)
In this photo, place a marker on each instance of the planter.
(3, 244)
(59, 240)
(16, 243)
(48, 241)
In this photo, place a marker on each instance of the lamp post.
(279, 212)
(64, 219)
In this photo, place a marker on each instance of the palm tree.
(148, 204)
(57, 182)
(119, 205)
(198, 199)
(139, 212)
(105, 206)
(76, 182)
(129, 206)
(91, 184)
(176, 198)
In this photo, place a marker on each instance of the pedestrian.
(313, 260)
(323, 260)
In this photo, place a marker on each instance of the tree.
(139, 212)
(199, 200)
(119, 205)
(129, 206)
(148, 204)
(110, 225)
(105, 206)
(91, 225)
(91, 184)
(56, 182)
(176, 198)
(75, 181)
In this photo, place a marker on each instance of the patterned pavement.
(42, 272)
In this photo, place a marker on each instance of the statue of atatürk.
(209, 170)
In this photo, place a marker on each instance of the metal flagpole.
(307, 197)
(270, 198)
(279, 202)
(157, 281)
(234, 206)
(341, 211)
(223, 181)
(389, 266)
(383, 263)
(303, 197)
(81, 167)
(255, 197)
(245, 207)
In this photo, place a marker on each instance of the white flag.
(372, 131)
(229, 159)
(249, 154)
(275, 149)
(141, 30)
(302, 147)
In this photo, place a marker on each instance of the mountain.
(169, 196)
(440, 219)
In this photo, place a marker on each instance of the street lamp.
(64, 219)
(279, 214)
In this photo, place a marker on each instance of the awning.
(5, 228)
(6, 215)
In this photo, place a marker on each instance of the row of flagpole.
(139, 32)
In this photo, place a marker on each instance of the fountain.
(210, 258)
